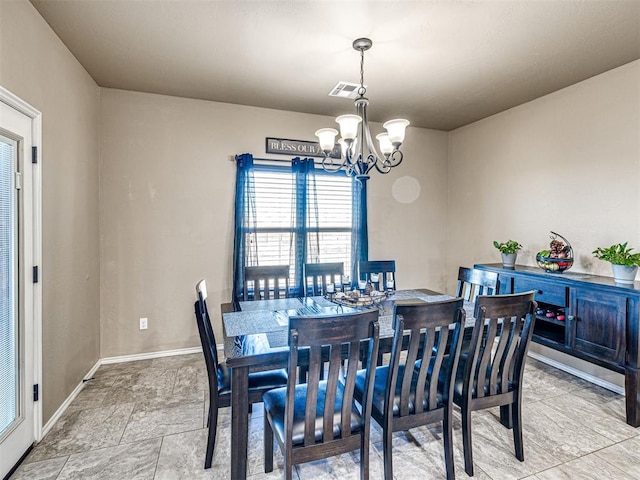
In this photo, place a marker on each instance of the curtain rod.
(282, 160)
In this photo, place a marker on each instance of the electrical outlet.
(144, 323)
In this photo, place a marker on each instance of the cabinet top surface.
(569, 278)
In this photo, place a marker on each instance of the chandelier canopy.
(359, 154)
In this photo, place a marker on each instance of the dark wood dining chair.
(265, 282)
(317, 275)
(473, 282)
(490, 373)
(320, 419)
(381, 273)
(416, 388)
(219, 375)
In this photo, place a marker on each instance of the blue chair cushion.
(257, 380)
(274, 404)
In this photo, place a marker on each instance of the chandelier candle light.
(356, 136)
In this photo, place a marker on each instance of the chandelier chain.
(362, 90)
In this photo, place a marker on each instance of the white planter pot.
(509, 260)
(624, 274)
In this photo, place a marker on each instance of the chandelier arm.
(365, 133)
(330, 165)
(353, 155)
(369, 164)
(383, 167)
(395, 158)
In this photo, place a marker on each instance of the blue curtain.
(245, 246)
(305, 242)
(359, 232)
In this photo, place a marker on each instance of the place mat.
(279, 338)
(411, 294)
(323, 302)
(386, 325)
(248, 323)
(274, 304)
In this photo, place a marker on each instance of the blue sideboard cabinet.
(601, 323)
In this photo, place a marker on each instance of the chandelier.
(359, 154)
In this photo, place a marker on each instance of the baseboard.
(146, 356)
(578, 373)
(109, 360)
(54, 418)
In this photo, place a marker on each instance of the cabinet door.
(598, 324)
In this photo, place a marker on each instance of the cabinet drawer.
(547, 293)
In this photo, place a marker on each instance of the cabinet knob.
(571, 317)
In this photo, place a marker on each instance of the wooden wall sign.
(284, 146)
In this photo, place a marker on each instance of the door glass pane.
(8, 311)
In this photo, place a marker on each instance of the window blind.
(330, 217)
(8, 310)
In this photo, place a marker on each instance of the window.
(327, 225)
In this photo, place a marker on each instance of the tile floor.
(146, 419)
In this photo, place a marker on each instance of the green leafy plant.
(510, 246)
(618, 254)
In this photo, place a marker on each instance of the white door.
(18, 339)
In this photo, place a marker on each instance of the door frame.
(24, 108)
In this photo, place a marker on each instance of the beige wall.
(38, 68)
(167, 188)
(567, 162)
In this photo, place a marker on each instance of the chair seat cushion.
(267, 380)
(275, 401)
(380, 388)
(257, 381)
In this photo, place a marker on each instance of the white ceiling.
(440, 64)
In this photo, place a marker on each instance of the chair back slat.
(427, 345)
(504, 325)
(507, 363)
(427, 326)
(265, 282)
(353, 359)
(473, 282)
(315, 362)
(333, 378)
(385, 271)
(330, 339)
(407, 379)
(486, 354)
(319, 274)
(437, 339)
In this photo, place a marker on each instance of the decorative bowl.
(554, 265)
(355, 299)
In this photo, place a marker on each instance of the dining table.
(256, 339)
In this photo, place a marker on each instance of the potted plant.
(623, 262)
(509, 250)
